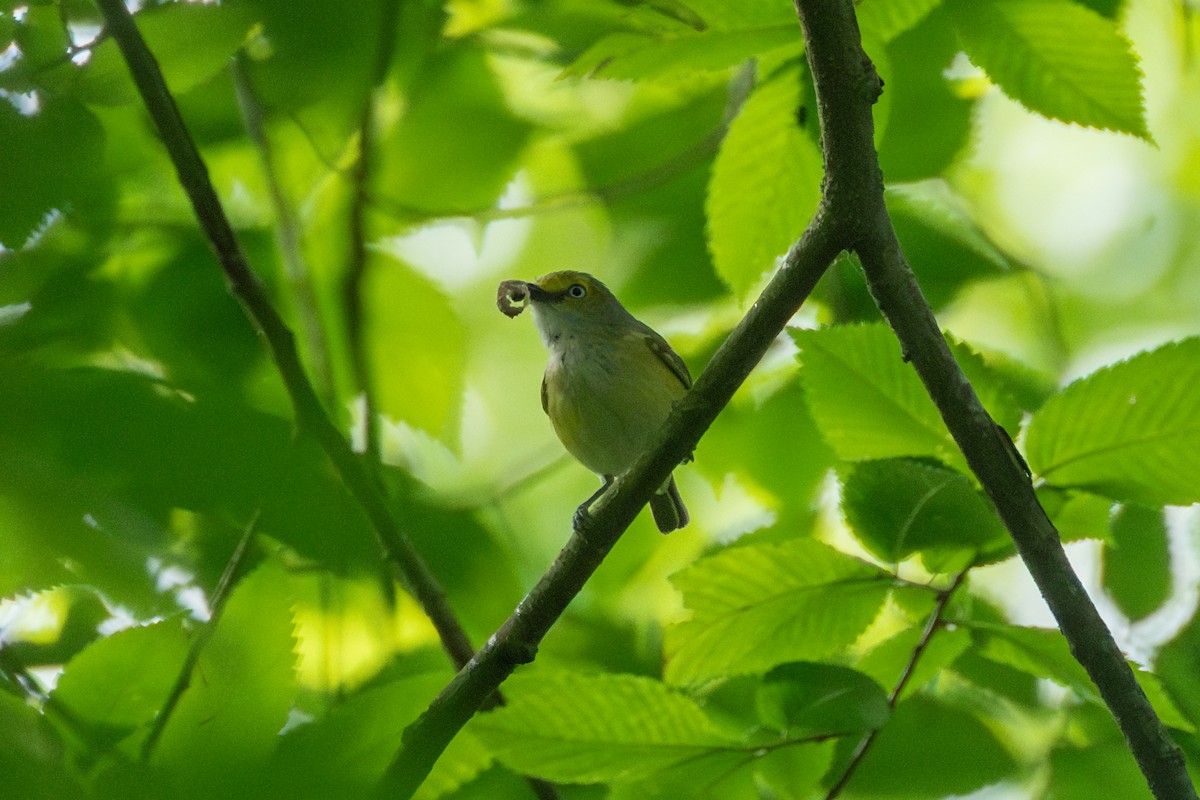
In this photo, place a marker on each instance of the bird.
(610, 380)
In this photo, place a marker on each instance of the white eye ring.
(576, 290)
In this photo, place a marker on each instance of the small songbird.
(610, 382)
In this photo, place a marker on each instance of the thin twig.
(233, 571)
(311, 418)
(287, 236)
(931, 627)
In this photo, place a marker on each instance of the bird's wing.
(658, 345)
(545, 400)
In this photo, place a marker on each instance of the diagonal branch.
(844, 77)
(311, 418)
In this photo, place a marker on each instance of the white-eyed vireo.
(610, 382)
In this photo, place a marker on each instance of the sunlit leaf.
(887, 19)
(755, 607)
(1057, 58)
(765, 184)
(577, 728)
(635, 56)
(1130, 431)
(121, 681)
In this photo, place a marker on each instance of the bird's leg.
(583, 514)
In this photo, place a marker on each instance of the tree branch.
(311, 418)
(845, 80)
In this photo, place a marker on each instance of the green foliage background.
(1043, 169)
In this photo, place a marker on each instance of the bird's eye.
(576, 290)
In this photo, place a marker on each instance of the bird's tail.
(668, 509)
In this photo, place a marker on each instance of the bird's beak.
(537, 293)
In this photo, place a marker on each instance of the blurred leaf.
(1103, 770)
(765, 184)
(754, 607)
(1137, 561)
(32, 755)
(192, 41)
(941, 241)
(227, 721)
(745, 439)
(721, 15)
(1041, 652)
(344, 753)
(584, 729)
(1130, 431)
(1178, 668)
(928, 123)
(456, 147)
(1077, 515)
(51, 160)
(789, 772)
(628, 55)
(121, 681)
(1056, 58)
(899, 507)
(66, 621)
(887, 19)
(810, 699)
(928, 749)
(417, 348)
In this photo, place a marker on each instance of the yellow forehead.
(559, 281)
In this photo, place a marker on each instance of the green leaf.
(344, 753)
(807, 699)
(788, 772)
(941, 240)
(122, 680)
(586, 729)
(1178, 669)
(888, 660)
(1101, 770)
(1137, 561)
(33, 755)
(1130, 431)
(755, 607)
(228, 720)
(50, 160)
(1041, 652)
(928, 123)
(626, 55)
(868, 403)
(418, 384)
(887, 19)
(1057, 58)
(765, 184)
(193, 41)
(899, 507)
(928, 749)
(456, 147)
